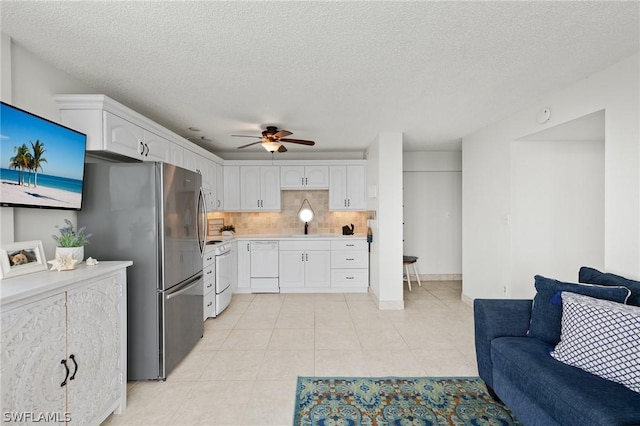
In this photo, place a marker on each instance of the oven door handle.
(185, 287)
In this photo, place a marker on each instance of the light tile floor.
(244, 370)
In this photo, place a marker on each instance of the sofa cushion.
(601, 337)
(593, 276)
(546, 312)
(568, 394)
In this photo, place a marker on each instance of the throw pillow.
(593, 276)
(601, 337)
(546, 312)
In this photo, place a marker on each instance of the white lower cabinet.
(64, 356)
(244, 266)
(350, 265)
(209, 277)
(305, 265)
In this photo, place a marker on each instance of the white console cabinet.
(64, 345)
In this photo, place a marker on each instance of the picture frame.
(21, 258)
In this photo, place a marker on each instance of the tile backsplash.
(287, 222)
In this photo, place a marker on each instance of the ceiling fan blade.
(249, 144)
(282, 149)
(282, 134)
(298, 141)
(246, 136)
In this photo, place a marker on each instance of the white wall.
(384, 178)
(487, 186)
(557, 211)
(33, 83)
(432, 208)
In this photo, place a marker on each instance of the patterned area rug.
(397, 401)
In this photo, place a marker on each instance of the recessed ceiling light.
(194, 129)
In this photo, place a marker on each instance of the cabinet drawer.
(304, 245)
(349, 278)
(209, 275)
(347, 244)
(349, 259)
(209, 259)
(209, 305)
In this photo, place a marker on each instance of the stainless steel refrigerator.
(153, 214)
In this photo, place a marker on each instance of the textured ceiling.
(338, 73)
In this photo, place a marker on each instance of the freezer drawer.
(181, 322)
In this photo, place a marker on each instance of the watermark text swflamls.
(34, 417)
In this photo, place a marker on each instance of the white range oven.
(219, 254)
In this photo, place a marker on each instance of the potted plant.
(227, 230)
(71, 241)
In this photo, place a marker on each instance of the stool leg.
(415, 270)
(406, 268)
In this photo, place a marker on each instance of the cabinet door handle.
(302, 181)
(73, 358)
(306, 181)
(302, 257)
(306, 257)
(146, 146)
(348, 202)
(345, 203)
(219, 203)
(248, 247)
(64, 383)
(210, 285)
(141, 148)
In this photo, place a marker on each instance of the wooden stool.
(411, 260)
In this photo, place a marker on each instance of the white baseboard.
(440, 277)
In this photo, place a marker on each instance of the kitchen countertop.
(312, 237)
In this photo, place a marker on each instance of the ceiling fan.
(272, 139)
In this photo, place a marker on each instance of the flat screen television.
(42, 161)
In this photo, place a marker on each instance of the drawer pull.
(350, 278)
(349, 245)
(209, 304)
(209, 272)
(349, 258)
(210, 285)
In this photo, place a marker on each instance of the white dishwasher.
(264, 267)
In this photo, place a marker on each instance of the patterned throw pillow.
(601, 337)
(546, 312)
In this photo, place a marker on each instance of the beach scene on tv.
(42, 162)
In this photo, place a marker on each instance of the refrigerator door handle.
(185, 287)
(202, 209)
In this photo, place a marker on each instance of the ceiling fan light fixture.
(271, 146)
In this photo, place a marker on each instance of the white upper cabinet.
(231, 193)
(126, 138)
(347, 185)
(154, 147)
(260, 188)
(304, 177)
(219, 186)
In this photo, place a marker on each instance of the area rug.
(370, 401)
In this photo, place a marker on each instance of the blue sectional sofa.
(518, 368)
